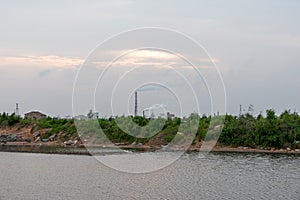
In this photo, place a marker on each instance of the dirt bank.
(81, 150)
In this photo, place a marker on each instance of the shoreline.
(19, 147)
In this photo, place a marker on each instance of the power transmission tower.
(241, 111)
(17, 112)
(251, 110)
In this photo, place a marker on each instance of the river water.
(214, 176)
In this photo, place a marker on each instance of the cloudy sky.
(255, 45)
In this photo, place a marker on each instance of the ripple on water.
(214, 176)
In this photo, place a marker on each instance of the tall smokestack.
(135, 104)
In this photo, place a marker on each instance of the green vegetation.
(268, 131)
(10, 120)
(271, 131)
(57, 126)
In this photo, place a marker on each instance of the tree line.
(269, 131)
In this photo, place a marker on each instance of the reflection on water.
(215, 176)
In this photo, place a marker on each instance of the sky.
(255, 45)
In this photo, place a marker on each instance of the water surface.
(216, 176)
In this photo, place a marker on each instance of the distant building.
(155, 111)
(81, 117)
(35, 115)
(67, 117)
(170, 116)
(92, 115)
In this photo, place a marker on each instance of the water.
(216, 176)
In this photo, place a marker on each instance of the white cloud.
(150, 58)
(39, 62)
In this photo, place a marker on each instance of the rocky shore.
(32, 139)
(82, 149)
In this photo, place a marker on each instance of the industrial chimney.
(135, 104)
